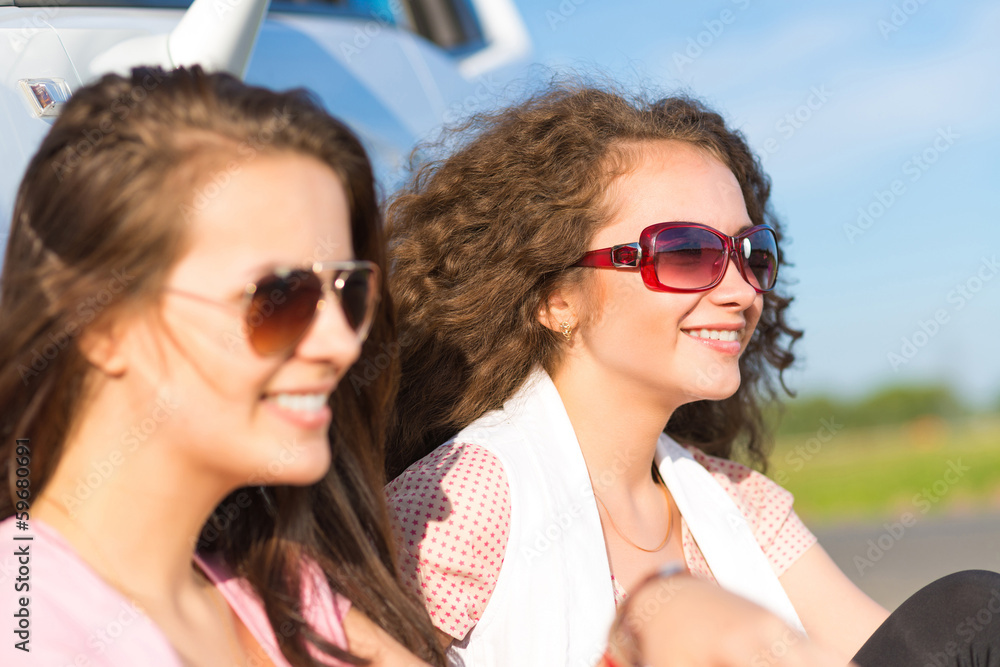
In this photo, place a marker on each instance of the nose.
(330, 338)
(734, 289)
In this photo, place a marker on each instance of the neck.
(616, 424)
(131, 509)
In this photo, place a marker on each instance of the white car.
(392, 69)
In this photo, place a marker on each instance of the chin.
(718, 389)
(306, 471)
(295, 463)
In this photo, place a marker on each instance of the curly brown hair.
(480, 239)
(102, 194)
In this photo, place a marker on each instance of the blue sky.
(883, 108)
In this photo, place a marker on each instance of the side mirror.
(216, 34)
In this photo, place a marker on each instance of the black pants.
(953, 622)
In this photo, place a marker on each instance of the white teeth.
(299, 402)
(728, 335)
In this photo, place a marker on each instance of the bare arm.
(834, 611)
(685, 622)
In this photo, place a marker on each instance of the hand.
(684, 622)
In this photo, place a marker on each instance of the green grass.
(877, 472)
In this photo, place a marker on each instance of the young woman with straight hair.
(194, 266)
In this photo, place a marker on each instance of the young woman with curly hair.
(193, 267)
(591, 323)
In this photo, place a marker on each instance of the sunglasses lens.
(759, 252)
(281, 310)
(357, 298)
(688, 257)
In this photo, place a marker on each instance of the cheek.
(620, 298)
(225, 390)
(635, 319)
(216, 402)
(754, 313)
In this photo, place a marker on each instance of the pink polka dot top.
(450, 515)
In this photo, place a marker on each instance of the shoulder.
(68, 614)
(753, 492)
(766, 506)
(459, 489)
(450, 515)
(323, 609)
(454, 473)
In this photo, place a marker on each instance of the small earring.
(567, 331)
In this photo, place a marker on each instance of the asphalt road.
(890, 560)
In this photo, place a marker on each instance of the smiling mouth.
(725, 335)
(301, 403)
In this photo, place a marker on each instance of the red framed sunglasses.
(280, 307)
(691, 257)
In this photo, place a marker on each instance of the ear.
(102, 343)
(555, 310)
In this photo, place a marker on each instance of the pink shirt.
(451, 510)
(76, 619)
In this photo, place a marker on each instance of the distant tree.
(890, 405)
(803, 415)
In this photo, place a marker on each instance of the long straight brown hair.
(98, 223)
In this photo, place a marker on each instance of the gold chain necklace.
(670, 523)
(112, 578)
